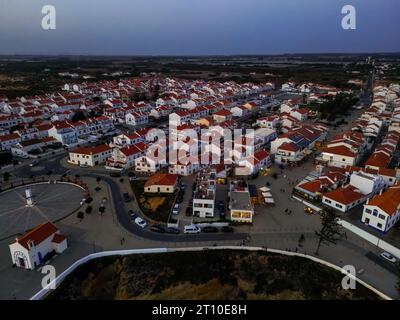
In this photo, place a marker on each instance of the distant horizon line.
(196, 55)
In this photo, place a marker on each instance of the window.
(368, 211)
(339, 205)
(381, 216)
(328, 201)
(375, 213)
(379, 225)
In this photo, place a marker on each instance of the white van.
(192, 229)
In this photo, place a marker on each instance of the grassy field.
(222, 274)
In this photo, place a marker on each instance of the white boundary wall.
(42, 293)
(371, 238)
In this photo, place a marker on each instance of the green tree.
(330, 231)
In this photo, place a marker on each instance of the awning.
(267, 195)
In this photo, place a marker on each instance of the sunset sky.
(198, 27)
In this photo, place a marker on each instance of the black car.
(227, 229)
(115, 174)
(126, 197)
(158, 229)
(209, 229)
(172, 230)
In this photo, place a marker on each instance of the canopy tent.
(267, 195)
(269, 200)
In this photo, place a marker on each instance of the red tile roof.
(38, 234)
(344, 196)
(92, 150)
(162, 179)
(339, 150)
(388, 201)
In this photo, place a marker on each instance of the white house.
(64, 133)
(383, 211)
(90, 156)
(161, 183)
(9, 140)
(240, 111)
(366, 183)
(136, 118)
(125, 157)
(179, 117)
(343, 199)
(340, 156)
(31, 249)
(254, 163)
(204, 195)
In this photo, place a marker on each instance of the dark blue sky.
(196, 27)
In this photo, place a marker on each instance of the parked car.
(126, 197)
(227, 229)
(84, 166)
(175, 209)
(140, 222)
(209, 229)
(387, 256)
(191, 229)
(221, 205)
(34, 163)
(133, 214)
(157, 228)
(172, 230)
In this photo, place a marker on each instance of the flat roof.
(240, 201)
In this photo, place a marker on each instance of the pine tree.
(330, 231)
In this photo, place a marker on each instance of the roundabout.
(25, 207)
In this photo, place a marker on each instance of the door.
(21, 262)
(40, 257)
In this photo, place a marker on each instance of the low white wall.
(42, 293)
(371, 238)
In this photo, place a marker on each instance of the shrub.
(97, 189)
(80, 215)
(89, 209)
(89, 200)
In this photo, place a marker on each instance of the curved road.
(53, 164)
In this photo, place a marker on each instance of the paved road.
(125, 221)
(53, 164)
